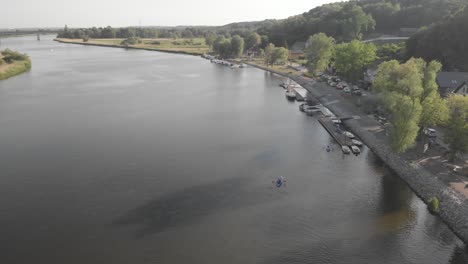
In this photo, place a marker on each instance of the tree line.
(131, 32)
(445, 41)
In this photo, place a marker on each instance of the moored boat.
(355, 150)
(345, 149)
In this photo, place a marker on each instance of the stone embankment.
(453, 208)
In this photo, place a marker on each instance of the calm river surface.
(124, 156)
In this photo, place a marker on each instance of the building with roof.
(452, 82)
(297, 50)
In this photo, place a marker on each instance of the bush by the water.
(131, 41)
(433, 205)
(16, 63)
(9, 56)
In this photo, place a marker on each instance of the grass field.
(192, 46)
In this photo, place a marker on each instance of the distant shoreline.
(67, 41)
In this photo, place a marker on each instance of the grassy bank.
(13, 63)
(194, 46)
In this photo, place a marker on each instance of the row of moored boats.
(353, 145)
(222, 62)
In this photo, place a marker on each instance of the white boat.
(345, 149)
(355, 150)
(356, 142)
(291, 95)
(348, 134)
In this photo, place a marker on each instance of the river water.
(127, 156)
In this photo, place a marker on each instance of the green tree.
(435, 110)
(210, 39)
(354, 21)
(280, 55)
(269, 49)
(237, 46)
(252, 39)
(405, 116)
(222, 46)
(319, 52)
(402, 88)
(456, 135)
(352, 58)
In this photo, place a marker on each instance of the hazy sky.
(118, 13)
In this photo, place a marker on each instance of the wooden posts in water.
(38, 36)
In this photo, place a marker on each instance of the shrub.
(155, 43)
(10, 56)
(433, 205)
(130, 41)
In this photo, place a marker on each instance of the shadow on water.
(190, 205)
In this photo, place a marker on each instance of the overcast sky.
(118, 13)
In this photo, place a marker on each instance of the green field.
(192, 46)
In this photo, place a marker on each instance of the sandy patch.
(460, 187)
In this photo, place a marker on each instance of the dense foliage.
(411, 98)
(319, 52)
(457, 125)
(352, 58)
(445, 42)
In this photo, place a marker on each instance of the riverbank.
(14, 67)
(453, 209)
(162, 45)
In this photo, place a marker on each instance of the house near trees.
(452, 82)
(296, 51)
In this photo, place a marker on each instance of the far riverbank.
(453, 208)
(114, 43)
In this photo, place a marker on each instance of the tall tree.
(252, 39)
(402, 87)
(457, 125)
(210, 39)
(279, 55)
(435, 111)
(237, 46)
(319, 52)
(354, 21)
(352, 58)
(269, 49)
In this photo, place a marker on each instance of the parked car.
(357, 92)
(430, 132)
(355, 88)
(346, 90)
(348, 134)
(333, 84)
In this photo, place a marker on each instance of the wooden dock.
(301, 92)
(328, 124)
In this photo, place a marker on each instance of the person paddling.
(279, 182)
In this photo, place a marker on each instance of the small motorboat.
(356, 142)
(348, 134)
(355, 150)
(291, 95)
(345, 149)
